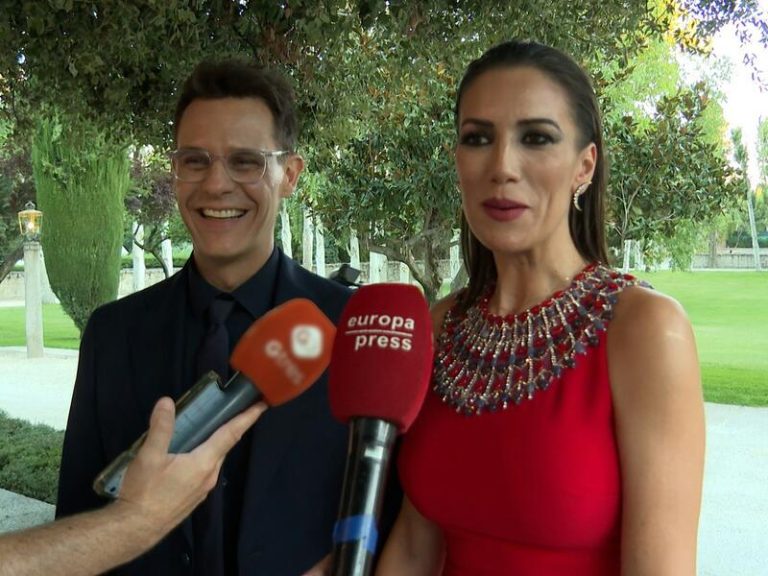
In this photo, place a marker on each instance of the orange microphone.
(278, 358)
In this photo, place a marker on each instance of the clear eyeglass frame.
(246, 166)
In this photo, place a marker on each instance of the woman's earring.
(580, 189)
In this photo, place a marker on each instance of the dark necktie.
(214, 351)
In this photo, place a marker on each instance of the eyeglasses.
(242, 166)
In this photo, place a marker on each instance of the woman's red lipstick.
(504, 210)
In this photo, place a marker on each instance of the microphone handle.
(356, 533)
(199, 413)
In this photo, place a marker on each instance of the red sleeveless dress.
(533, 489)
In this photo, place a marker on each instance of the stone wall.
(12, 288)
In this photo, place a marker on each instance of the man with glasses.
(273, 509)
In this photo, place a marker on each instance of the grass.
(728, 310)
(58, 329)
(729, 313)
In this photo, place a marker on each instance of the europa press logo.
(381, 331)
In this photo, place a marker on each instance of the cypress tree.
(81, 181)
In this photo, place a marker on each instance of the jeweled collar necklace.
(486, 361)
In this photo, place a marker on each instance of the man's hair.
(212, 80)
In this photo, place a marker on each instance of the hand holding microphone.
(378, 377)
(277, 359)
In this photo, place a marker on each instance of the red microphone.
(377, 380)
(278, 358)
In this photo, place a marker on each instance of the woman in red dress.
(564, 432)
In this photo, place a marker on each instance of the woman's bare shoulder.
(642, 313)
(651, 346)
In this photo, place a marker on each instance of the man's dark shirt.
(252, 300)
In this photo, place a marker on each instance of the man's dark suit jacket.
(130, 356)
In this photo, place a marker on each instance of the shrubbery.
(81, 180)
(744, 240)
(29, 458)
(151, 262)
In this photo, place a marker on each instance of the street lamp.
(30, 225)
(30, 222)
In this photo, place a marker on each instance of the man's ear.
(292, 167)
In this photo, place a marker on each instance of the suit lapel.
(158, 352)
(158, 347)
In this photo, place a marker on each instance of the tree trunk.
(285, 231)
(753, 229)
(712, 257)
(354, 250)
(10, 259)
(166, 249)
(320, 250)
(307, 241)
(137, 254)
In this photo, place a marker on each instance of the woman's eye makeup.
(533, 133)
(538, 138)
(475, 138)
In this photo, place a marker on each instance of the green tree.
(81, 182)
(392, 175)
(665, 175)
(375, 82)
(16, 189)
(741, 155)
(762, 151)
(761, 190)
(150, 202)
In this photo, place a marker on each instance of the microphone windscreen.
(286, 350)
(382, 355)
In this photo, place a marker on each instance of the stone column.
(167, 252)
(139, 267)
(319, 250)
(404, 273)
(627, 256)
(285, 231)
(377, 270)
(33, 299)
(354, 250)
(307, 240)
(455, 254)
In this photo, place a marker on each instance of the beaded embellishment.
(485, 361)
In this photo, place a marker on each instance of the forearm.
(415, 546)
(80, 545)
(158, 492)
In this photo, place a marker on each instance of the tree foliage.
(16, 189)
(81, 182)
(150, 203)
(762, 151)
(375, 81)
(666, 174)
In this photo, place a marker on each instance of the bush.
(81, 180)
(29, 458)
(151, 262)
(743, 239)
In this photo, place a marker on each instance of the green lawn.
(729, 312)
(58, 329)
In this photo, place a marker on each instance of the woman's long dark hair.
(588, 226)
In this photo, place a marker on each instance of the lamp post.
(30, 224)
